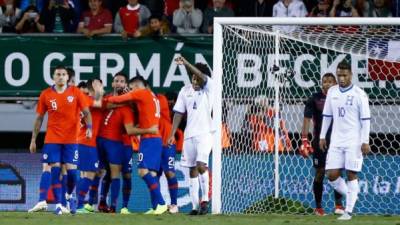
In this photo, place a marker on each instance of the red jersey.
(114, 120)
(97, 116)
(148, 107)
(179, 140)
(165, 126)
(129, 19)
(164, 107)
(63, 114)
(131, 140)
(95, 22)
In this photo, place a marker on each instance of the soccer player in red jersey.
(88, 156)
(62, 103)
(116, 122)
(150, 144)
(168, 153)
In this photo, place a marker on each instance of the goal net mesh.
(304, 53)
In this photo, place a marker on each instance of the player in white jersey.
(348, 106)
(196, 101)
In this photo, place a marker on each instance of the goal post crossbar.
(305, 21)
(218, 74)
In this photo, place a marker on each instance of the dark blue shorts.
(88, 158)
(168, 158)
(127, 160)
(149, 156)
(60, 153)
(110, 151)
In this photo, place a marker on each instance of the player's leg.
(203, 147)
(70, 156)
(126, 178)
(149, 163)
(64, 184)
(45, 181)
(115, 154)
(88, 164)
(168, 167)
(318, 187)
(104, 189)
(103, 173)
(52, 156)
(334, 164)
(82, 189)
(353, 165)
(188, 159)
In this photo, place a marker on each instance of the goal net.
(269, 67)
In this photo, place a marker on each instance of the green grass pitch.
(23, 218)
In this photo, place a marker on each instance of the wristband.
(89, 126)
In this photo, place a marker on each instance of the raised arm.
(182, 61)
(121, 98)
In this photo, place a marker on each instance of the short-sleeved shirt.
(313, 110)
(97, 117)
(114, 121)
(164, 107)
(95, 22)
(63, 114)
(165, 126)
(348, 107)
(148, 107)
(198, 106)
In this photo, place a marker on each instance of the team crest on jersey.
(70, 99)
(349, 100)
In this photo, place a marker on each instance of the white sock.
(352, 195)
(194, 192)
(204, 184)
(339, 185)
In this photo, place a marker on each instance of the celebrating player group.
(91, 136)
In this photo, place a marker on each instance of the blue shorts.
(88, 158)
(168, 158)
(110, 151)
(127, 160)
(60, 153)
(149, 156)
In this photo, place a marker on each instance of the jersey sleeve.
(327, 112)
(83, 100)
(41, 108)
(179, 106)
(309, 108)
(127, 115)
(209, 85)
(365, 113)
(130, 96)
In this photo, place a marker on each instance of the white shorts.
(349, 158)
(196, 149)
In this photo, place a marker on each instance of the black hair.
(171, 95)
(82, 84)
(61, 67)
(329, 75)
(155, 16)
(203, 68)
(140, 79)
(122, 75)
(70, 71)
(343, 65)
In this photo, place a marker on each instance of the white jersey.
(198, 105)
(348, 108)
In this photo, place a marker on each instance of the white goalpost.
(266, 68)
